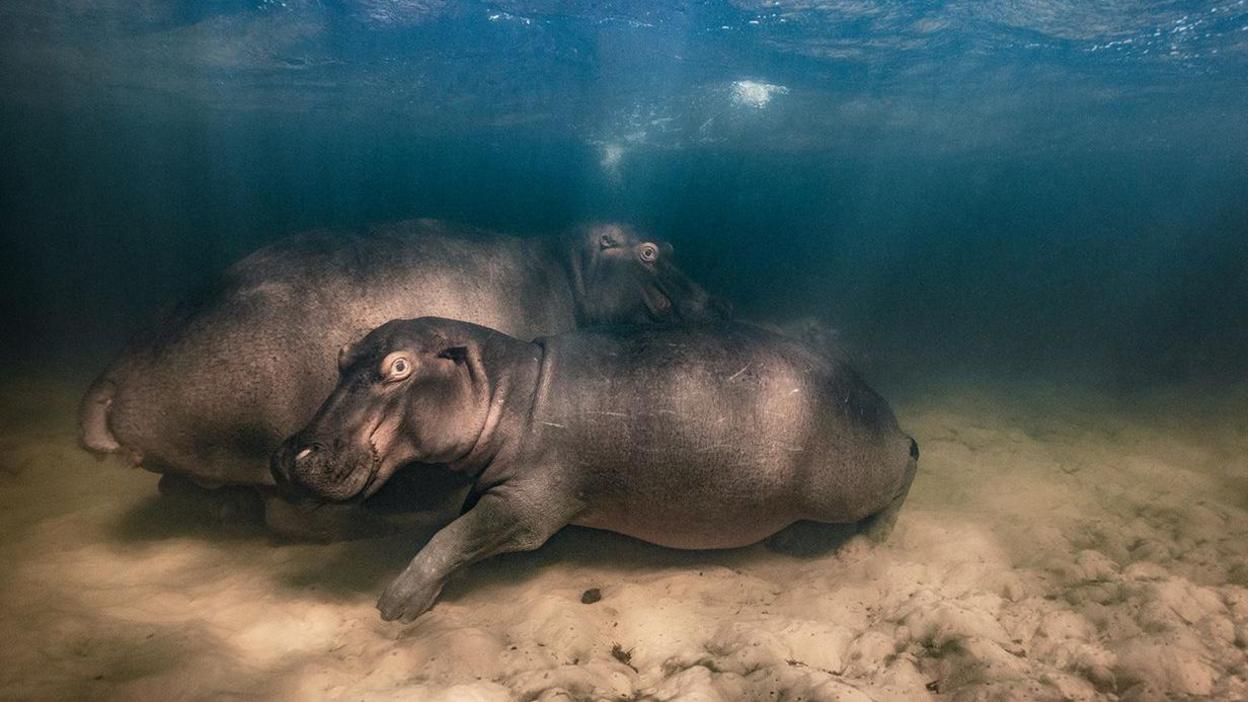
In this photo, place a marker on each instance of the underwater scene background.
(1028, 222)
(1012, 185)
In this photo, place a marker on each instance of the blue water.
(1009, 186)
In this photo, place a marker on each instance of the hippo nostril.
(289, 465)
(306, 452)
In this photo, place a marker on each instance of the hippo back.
(212, 389)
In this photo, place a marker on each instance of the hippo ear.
(458, 354)
(344, 355)
(463, 358)
(609, 236)
(347, 352)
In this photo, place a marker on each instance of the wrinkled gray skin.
(687, 436)
(211, 390)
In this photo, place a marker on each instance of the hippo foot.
(176, 486)
(879, 526)
(408, 597)
(323, 523)
(810, 538)
(241, 507)
(231, 505)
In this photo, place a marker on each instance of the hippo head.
(410, 391)
(620, 277)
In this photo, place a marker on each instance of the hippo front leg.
(500, 522)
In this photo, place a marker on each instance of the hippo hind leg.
(880, 525)
(232, 505)
(807, 538)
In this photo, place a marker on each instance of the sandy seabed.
(1057, 544)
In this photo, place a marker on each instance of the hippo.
(690, 436)
(209, 392)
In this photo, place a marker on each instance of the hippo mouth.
(670, 295)
(337, 481)
(371, 484)
(658, 302)
(340, 477)
(373, 464)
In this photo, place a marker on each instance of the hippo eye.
(396, 367)
(607, 241)
(648, 252)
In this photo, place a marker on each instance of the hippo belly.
(710, 526)
(715, 437)
(728, 493)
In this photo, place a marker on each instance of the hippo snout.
(297, 466)
(693, 302)
(281, 465)
(704, 307)
(307, 453)
(308, 469)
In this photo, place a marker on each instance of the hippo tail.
(94, 433)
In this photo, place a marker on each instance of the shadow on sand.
(347, 569)
(161, 517)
